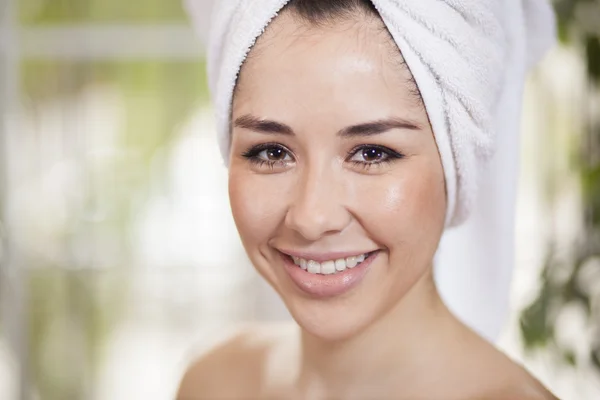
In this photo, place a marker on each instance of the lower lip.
(323, 286)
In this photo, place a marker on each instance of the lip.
(326, 286)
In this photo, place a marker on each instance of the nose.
(317, 207)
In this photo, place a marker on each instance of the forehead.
(352, 68)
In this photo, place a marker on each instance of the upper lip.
(320, 257)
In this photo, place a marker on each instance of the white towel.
(469, 59)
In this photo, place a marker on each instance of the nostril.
(315, 222)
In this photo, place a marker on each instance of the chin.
(339, 307)
(332, 320)
(329, 309)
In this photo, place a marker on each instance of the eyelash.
(252, 155)
(391, 156)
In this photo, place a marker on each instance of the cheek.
(256, 203)
(405, 209)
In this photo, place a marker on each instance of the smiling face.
(333, 161)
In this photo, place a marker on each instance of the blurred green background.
(51, 12)
(570, 277)
(107, 139)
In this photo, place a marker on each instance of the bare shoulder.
(474, 368)
(507, 378)
(523, 388)
(236, 368)
(520, 384)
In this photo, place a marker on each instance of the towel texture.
(469, 59)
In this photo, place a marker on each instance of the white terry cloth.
(469, 59)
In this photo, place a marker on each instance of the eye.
(372, 154)
(269, 154)
(274, 154)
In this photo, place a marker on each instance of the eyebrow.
(366, 129)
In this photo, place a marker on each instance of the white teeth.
(329, 267)
(314, 267)
(303, 264)
(351, 262)
(340, 265)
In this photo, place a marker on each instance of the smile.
(330, 267)
(329, 275)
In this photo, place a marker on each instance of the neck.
(402, 344)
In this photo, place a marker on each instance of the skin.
(322, 189)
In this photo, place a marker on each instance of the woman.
(347, 163)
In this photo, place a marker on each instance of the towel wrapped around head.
(469, 59)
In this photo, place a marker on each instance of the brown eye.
(275, 154)
(371, 154)
(269, 155)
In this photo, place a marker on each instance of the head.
(333, 156)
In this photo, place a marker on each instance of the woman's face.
(333, 160)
